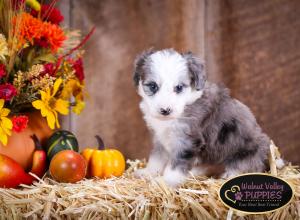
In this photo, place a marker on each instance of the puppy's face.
(168, 81)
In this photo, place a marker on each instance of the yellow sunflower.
(5, 123)
(50, 105)
(74, 88)
(79, 106)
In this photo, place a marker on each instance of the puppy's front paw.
(144, 173)
(174, 178)
(174, 183)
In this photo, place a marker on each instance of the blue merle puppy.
(197, 127)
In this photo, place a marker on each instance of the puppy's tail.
(275, 160)
(280, 163)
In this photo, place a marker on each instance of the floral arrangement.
(40, 65)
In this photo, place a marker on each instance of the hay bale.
(130, 198)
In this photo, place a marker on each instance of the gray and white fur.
(197, 127)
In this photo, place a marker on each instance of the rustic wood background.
(253, 47)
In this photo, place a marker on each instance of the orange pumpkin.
(20, 146)
(104, 163)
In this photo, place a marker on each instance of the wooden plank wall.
(254, 48)
(251, 46)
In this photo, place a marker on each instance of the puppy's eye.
(178, 88)
(152, 87)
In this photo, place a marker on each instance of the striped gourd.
(61, 140)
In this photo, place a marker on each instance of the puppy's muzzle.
(165, 111)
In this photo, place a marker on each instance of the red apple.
(12, 174)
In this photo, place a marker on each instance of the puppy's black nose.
(165, 111)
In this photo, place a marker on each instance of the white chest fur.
(167, 132)
(163, 131)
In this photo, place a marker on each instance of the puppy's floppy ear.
(138, 65)
(196, 69)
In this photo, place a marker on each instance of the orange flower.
(54, 35)
(31, 29)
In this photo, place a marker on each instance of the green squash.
(61, 140)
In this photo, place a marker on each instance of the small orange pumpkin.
(103, 163)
